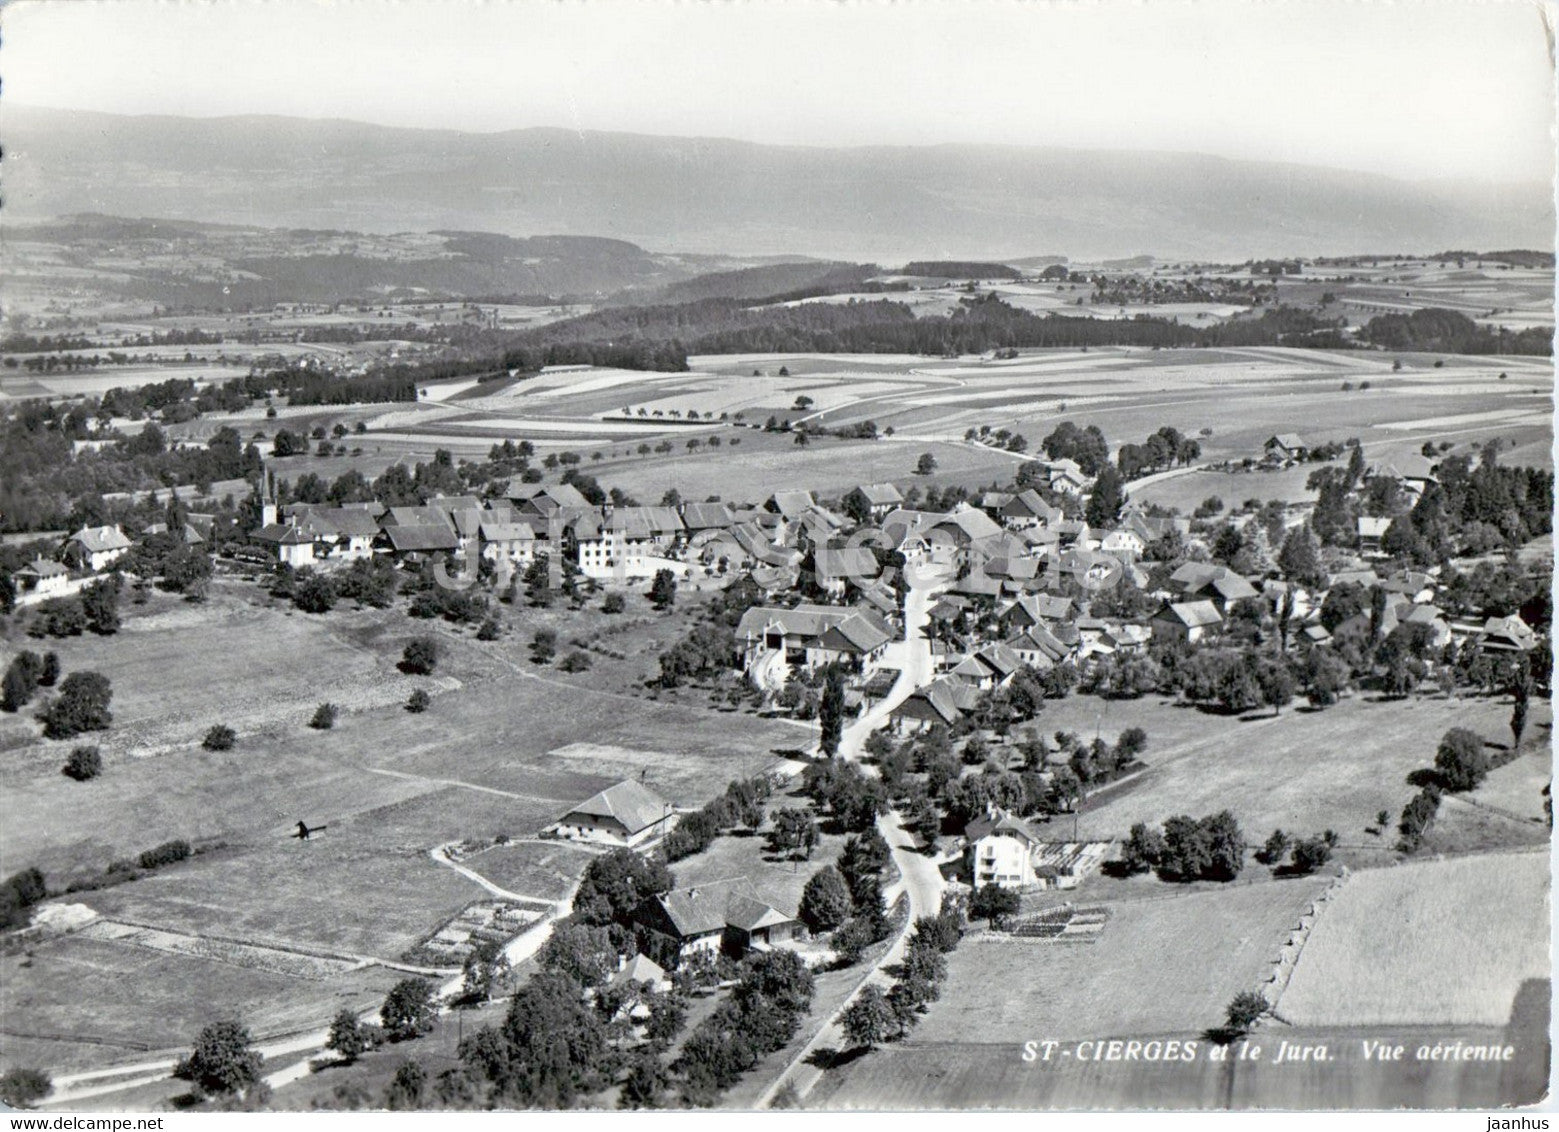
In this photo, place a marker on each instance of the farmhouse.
(770, 641)
(97, 548)
(1506, 634)
(339, 533)
(1186, 622)
(1372, 528)
(833, 567)
(707, 919)
(515, 542)
(416, 540)
(1026, 510)
(1412, 470)
(627, 541)
(628, 813)
(1218, 584)
(1286, 446)
(1039, 648)
(943, 701)
(789, 504)
(874, 500)
(700, 517)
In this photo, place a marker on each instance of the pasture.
(1302, 771)
(504, 749)
(1435, 942)
(1165, 964)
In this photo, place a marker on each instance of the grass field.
(922, 1075)
(505, 747)
(544, 870)
(141, 1001)
(1303, 771)
(1163, 965)
(1439, 942)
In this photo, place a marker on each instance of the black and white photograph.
(776, 556)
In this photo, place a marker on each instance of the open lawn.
(1436, 942)
(778, 880)
(139, 1001)
(545, 870)
(1162, 965)
(505, 747)
(1303, 771)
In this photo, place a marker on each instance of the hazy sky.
(1415, 88)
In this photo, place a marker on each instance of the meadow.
(506, 747)
(1302, 771)
(1434, 942)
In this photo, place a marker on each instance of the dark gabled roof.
(860, 632)
(971, 522)
(453, 503)
(807, 621)
(420, 537)
(936, 701)
(418, 517)
(283, 534)
(1000, 821)
(629, 802)
(707, 516)
(790, 503)
(875, 594)
(1039, 639)
(1000, 659)
(703, 908)
(42, 568)
(854, 562)
(1029, 504)
(506, 532)
(336, 522)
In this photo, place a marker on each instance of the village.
(918, 634)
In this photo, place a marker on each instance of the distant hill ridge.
(883, 204)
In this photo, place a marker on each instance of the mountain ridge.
(720, 195)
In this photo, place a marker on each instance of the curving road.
(919, 878)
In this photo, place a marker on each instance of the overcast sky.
(1415, 88)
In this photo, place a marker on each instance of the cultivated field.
(1439, 942)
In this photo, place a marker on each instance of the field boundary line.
(1285, 966)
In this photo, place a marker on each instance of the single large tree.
(408, 1009)
(1104, 502)
(830, 714)
(1460, 759)
(869, 1020)
(347, 1037)
(222, 1060)
(826, 901)
(82, 705)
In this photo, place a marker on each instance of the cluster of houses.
(672, 927)
(529, 520)
(83, 556)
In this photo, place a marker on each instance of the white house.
(97, 548)
(41, 580)
(1000, 850)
